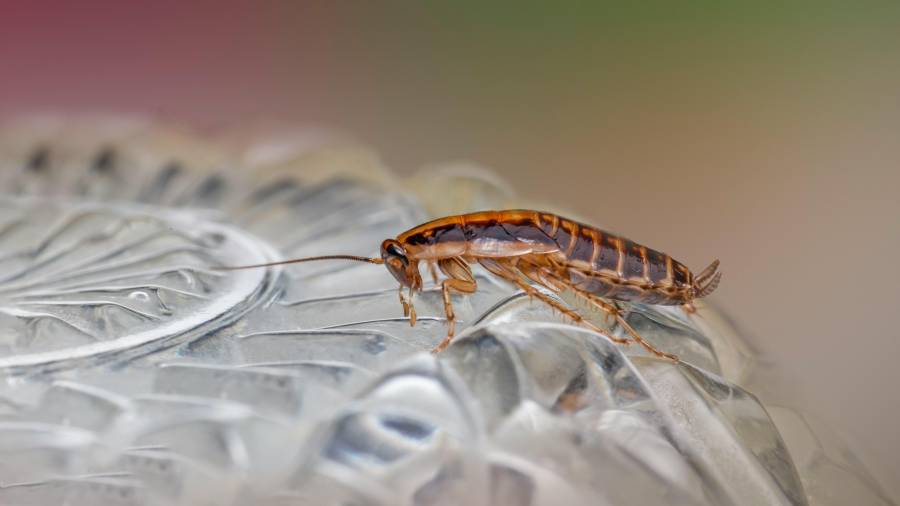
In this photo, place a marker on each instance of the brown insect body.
(531, 247)
(585, 257)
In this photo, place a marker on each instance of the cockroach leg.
(509, 273)
(615, 312)
(412, 309)
(459, 278)
(553, 283)
(549, 279)
(689, 308)
(433, 271)
(408, 308)
(611, 311)
(459, 285)
(403, 301)
(570, 313)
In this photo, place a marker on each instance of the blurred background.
(765, 135)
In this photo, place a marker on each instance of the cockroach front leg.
(459, 285)
(412, 309)
(408, 308)
(403, 301)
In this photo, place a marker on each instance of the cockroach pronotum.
(525, 247)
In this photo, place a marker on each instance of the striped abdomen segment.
(611, 266)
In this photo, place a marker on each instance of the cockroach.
(529, 248)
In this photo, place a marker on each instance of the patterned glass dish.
(133, 373)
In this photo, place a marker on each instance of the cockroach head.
(398, 264)
(707, 281)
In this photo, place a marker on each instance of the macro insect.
(532, 247)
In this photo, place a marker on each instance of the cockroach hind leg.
(606, 334)
(616, 312)
(443, 344)
(647, 346)
(609, 319)
(567, 312)
(559, 287)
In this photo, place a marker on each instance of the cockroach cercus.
(533, 247)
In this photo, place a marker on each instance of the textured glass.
(134, 373)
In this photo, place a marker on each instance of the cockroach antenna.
(301, 260)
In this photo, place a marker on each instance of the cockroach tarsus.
(529, 248)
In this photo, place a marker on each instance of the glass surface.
(134, 373)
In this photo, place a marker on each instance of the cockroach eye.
(395, 251)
